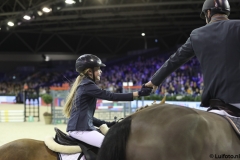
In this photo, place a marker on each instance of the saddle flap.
(63, 138)
(89, 151)
(235, 123)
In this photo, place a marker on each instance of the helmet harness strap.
(93, 74)
(210, 17)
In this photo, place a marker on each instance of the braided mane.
(154, 102)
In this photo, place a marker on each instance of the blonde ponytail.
(68, 104)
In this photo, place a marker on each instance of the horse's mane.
(153, 104)
(114, 143)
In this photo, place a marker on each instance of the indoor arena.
(119, 79)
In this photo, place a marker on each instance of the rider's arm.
(94, 91)
(98, 122)
(183, 54)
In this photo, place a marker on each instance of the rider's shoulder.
(196, 30)
(86, 81)
(225, 22)
(234, 22)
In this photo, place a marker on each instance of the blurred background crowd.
(187, 80)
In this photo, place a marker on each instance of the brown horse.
(26, 149)
(158, 132)
(171, 132)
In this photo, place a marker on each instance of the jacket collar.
(86, 80)
(218, 18)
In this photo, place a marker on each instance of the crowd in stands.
(138, 70)
(186, 80)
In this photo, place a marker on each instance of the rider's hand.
(145, 91)
(110, 124)
(150, 84)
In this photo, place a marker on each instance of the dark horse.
(158, 132)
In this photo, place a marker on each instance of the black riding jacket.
(84, 105)
(217, 47)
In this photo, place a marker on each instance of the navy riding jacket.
(217, 47)
(84, 105)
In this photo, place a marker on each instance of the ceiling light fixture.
(10, 23)
(40, 13)
(46, 9)
(70, 1)
(27, 17)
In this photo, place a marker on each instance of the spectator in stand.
(171, 89)
(163, 91)
(195, 89)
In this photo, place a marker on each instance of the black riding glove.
(145, 91)
(110, 124)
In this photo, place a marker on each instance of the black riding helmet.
(88, 61)
(216, 6)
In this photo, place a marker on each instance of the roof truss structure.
(99, 26)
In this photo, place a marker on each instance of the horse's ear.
(163, 100)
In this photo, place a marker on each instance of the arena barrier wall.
(106, 110)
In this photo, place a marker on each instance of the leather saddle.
(89, 151)
(231, 110)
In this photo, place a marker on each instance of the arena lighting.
(10, 23)
(27, 17)
(46, 9)
(70, 1)
(143, 34)
(39, 13)
(47, 58)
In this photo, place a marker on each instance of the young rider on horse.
(217, 47)
(81, 102)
